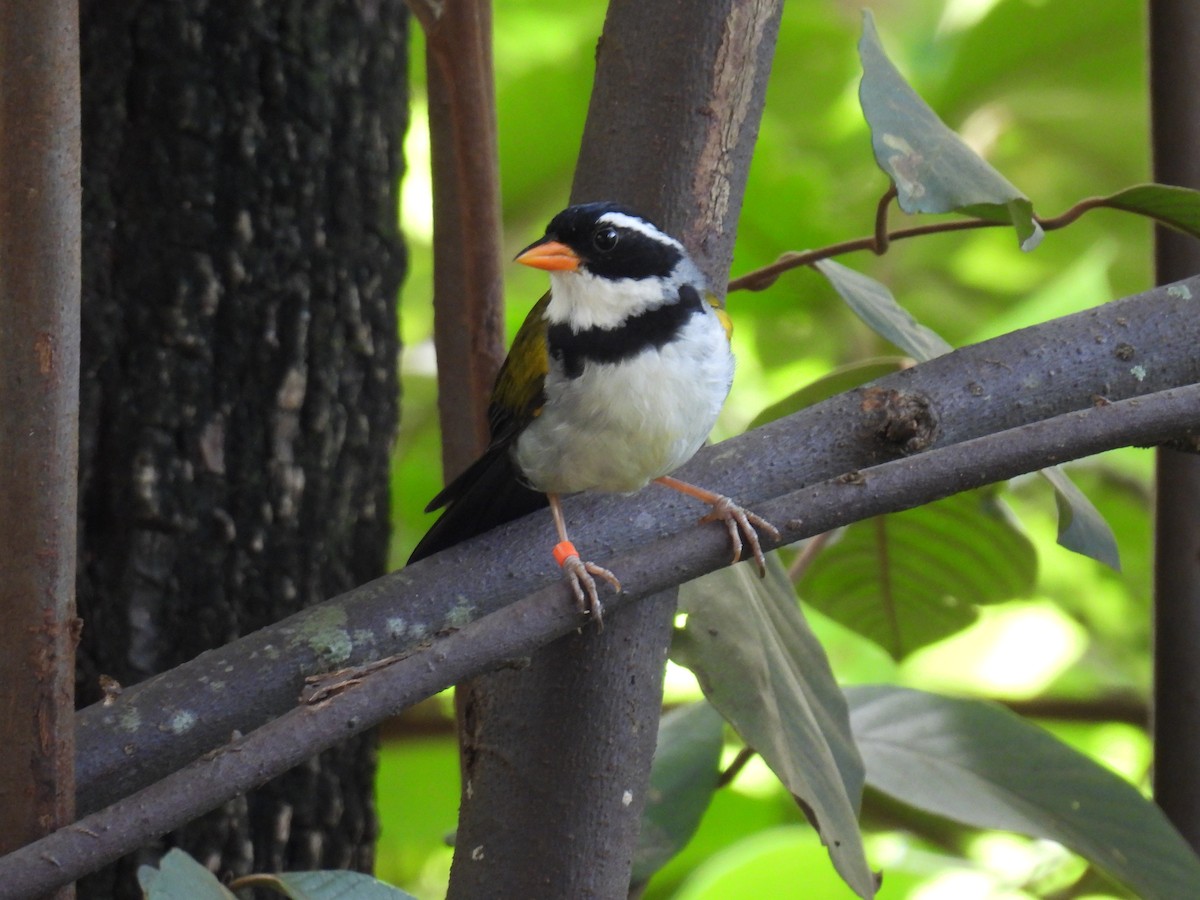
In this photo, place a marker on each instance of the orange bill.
(549, 255)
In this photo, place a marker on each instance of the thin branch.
(1123, 349)
(763, 278)
(1127, 708)
(532, 622)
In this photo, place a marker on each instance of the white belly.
(620, 425)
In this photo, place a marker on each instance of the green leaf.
(336, 885)
(1080, 526)
(982, 765)
(686, 767)
(1177, 207)
(179, 877)
(908, 579)
(763, 669)
(874, 304)
(933, 169)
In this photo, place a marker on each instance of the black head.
(614, 242)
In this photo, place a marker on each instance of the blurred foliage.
(1059, 132)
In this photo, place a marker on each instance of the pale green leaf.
(179, 877)
(336, 885)
(763, 669)
(1080, 526)
(980, 764)
(933, 169)
(874, 304)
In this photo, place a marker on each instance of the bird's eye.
(605, 239)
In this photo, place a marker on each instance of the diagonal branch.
(1131, 347)
(532, 622)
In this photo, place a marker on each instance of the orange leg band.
(563, 551)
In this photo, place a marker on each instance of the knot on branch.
(904, 421)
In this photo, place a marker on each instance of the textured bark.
(39, 405)
(241, 262)
(556, 756)
(1175, 113)
(674, 117)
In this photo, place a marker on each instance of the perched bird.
(614, 380)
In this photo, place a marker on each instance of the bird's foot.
(743, 527)
(581, 575)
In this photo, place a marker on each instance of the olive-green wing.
(491, 491)
(519, 392)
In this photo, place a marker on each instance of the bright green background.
(1053, 93)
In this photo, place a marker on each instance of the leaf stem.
(809, 551)
(881, 220)
(739, 762)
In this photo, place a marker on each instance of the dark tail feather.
(489, 493)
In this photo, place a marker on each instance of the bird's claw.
(579, 575)
(741, 524)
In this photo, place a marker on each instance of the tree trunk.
(1175, 114)
(556, 756)
(239, 397)
(39, 406)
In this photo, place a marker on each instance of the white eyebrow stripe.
(632, 223)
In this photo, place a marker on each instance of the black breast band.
(653, 328)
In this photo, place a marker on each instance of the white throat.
(583, 300)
